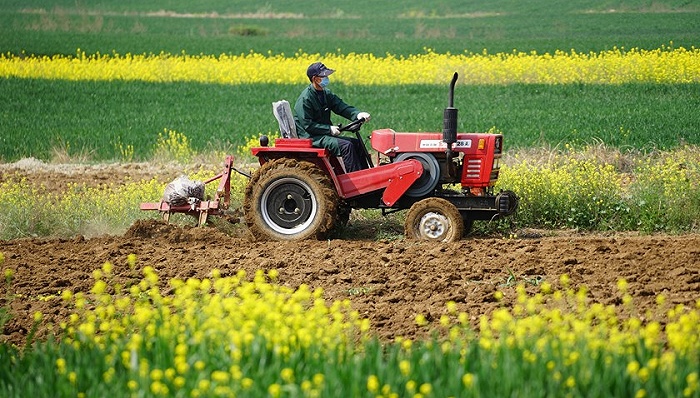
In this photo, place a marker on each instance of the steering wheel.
(353, 126)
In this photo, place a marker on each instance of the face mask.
(325, 81)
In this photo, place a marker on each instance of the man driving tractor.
(313, 118)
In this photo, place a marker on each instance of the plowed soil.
(389, 282)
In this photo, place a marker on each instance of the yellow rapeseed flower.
(570, 382)
(99, 287)
(372, 384)
(274, 390)
(546, 287)
(660, 299)
(220, 376)
(405, 367)
(247, 383)
(622, 285)
(421, 320)
(61, 365)
(287, 375)
(633, 368)
(38, 316)
(468, 380)
(107, 268)
(663, 65)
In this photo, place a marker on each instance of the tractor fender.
(301, 149)
(395, 178)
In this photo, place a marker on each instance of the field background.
(89, 120)
(362, 26)
(542, 310)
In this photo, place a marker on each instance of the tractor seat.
(283, 113)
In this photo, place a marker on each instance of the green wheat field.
(91, 117)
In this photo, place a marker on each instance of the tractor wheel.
(287, 199)
(434, 219)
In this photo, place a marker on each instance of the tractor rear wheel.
(434, 219)
(287, 199)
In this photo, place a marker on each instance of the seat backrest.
(283, 114)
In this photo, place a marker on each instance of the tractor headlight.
(498, 145)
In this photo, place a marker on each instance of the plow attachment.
(199, 208)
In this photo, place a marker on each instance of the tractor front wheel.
(287, 199)
(434, 219)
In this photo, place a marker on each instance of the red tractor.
(446, 181)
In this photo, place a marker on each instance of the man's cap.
(318, 69)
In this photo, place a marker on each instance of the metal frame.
(204, 208)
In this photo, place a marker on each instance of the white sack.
(181, 189)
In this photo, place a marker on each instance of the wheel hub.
(433, 226)
(290, 206)
(287, 206)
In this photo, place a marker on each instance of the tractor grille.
(473, 168)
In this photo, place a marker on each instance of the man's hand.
(363, 115)
(335, 131)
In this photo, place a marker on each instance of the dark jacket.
(313, 119)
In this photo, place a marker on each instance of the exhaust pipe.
(449, 129)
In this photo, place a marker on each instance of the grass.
(100, 119)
